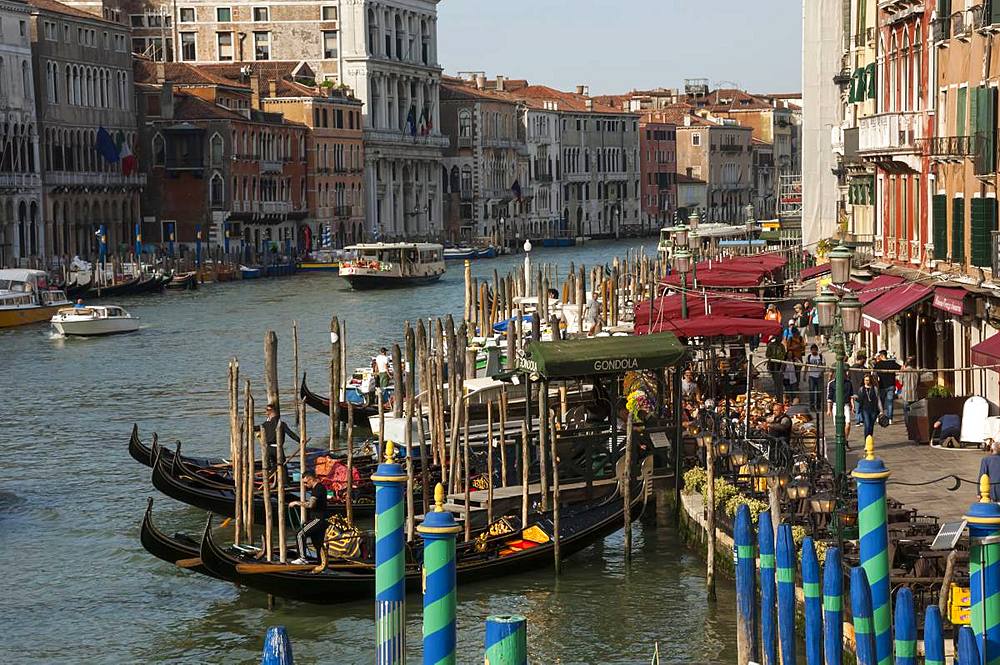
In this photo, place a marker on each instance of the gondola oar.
(193, 562)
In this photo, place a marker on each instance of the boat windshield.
(11, 285)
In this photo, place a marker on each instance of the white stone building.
(543, 131)
(21, 228)
(389, 58)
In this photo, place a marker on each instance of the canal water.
(78, 587)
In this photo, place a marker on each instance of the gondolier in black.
(270, 429)
(315, 526)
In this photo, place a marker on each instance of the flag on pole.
(516, 190)
(105, 145)
(411, 121)
(424, 130)
(125, 155)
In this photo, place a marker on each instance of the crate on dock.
(959, 601)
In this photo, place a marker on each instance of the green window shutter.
(995, 12)
(871, 190)
(980, 246)
(870, 73)
(960, 129)
(987, 127)
(974, 114)
(958, 230)
(939, 219)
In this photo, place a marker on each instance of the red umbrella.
(715, 326)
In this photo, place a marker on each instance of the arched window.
(217, 191)
(216, 149)
(456, 185)
(466, 180)
(159, 150)
(465, 124)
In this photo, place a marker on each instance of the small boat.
(247, 272)
(179, 549)
(185, 281)
(458, 253)
(391, 265)
(25, 297)
(489, 252)
(562, 241)
(322, 404)
(324, 260)
(93, 321)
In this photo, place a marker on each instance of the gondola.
(180, 550)
(125, 288)
(322, 404)
(185, 281)
(151, 283)
(172, 480)
(348, 580)
(145, 455)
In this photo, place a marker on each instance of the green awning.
(770, 236)
(601, 355)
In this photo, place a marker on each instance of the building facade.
(22, 233)
(658, 171)
(83, 79)
(388, 54)
(543, 134)
(334, 163)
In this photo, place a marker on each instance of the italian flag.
(125, 156)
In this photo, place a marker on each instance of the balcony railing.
(543, 177)
(275, 207)
(903, 250)
(464, 141)
(942, 29)
(890, 248)
(271, 166)
(343, 212)
(67, 178)
(879, 243)
(959, 28)
(890, 132)
(19, 180)
(731, 147)
(915, 252)
(956, 147)
(865, 38)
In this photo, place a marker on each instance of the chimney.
(589, 104)
(255, 92)
(272, 88)
(480, 81)
(167, 101)
(687, 121)
(583, 90)
(500, 83)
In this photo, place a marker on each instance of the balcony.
(890, 133)
(942, 30)
(343, 212)
(960, 29)
(391, 137)
(866, 38)
(543, 177)
(950, 148)
(275, 207)
(900, 10)
(20, 181)
(731, 147)
(464, 141)
(91, 179)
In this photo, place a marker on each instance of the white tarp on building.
(822, 37)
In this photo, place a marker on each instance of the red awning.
(950, 300)
(717, 326)
(894, 301)
(814, 271)
(987, 353)
(719, 278)
(719, 304)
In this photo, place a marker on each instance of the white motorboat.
(93, 321)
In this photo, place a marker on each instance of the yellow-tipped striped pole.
(873, 537)
(390, 561)
(984, 573)
(439, 531)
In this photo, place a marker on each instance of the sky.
(618, 45)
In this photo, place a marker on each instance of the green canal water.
(77, 587)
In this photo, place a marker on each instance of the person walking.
(869, 405)
(805, 320)
(909, 380)
(990, 466)
(857, 373)
(775, 354)
(831, 401)
(886, 369)
(815, 364)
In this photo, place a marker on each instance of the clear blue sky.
(617, 45)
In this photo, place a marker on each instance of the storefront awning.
(894, 301)
(601, 355)
(950, 300)
(719, 304)
(717, 326)
(987, 352)
(814, 271)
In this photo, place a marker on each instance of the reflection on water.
(78, 587)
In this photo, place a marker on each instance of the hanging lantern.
(826, 308)
(840, 265)
(722, 448)
(680, 236)
(682, 261)
(850, 313)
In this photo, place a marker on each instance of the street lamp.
(750, 224)
(694, 241)
(527, 267)
(682, 264)
(840, 318)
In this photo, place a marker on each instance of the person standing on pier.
(380, 365)
(270, 429)
(315, 527)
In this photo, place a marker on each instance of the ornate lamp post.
(527, 267)
(841, 319)
(695, 242)
(751, 223)
(682, 264)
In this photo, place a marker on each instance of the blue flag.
(106, 146)
(516, 190)
(411, 121)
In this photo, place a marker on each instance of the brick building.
(658, 171)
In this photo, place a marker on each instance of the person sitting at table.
(779, 425)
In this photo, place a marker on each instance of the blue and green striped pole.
(968, 648)
(873, 537)
(906, 628)
(833, 603)
(390, 561)
(984, 573)
(506, 640)
(745, 564)
(768, 627)
(814, 603)
(933, 636)
(785, 574)
(277, 647)
(861, 611)
(439, 531)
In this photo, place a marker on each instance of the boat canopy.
(601, 355)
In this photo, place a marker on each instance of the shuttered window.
(939, 230)
(958, 230)
(984, 222)
(870, 73)
(995, 12)
(960, 128)
(985, 130)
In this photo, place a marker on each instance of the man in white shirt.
(381, 367)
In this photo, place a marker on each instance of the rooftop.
(60, 8)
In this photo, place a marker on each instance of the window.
(107, 42)
(262, 45)
(696, 139)
(66, 34)
(187, 15)
(137, 20)
(329, 13)
(225, 43)
(189, 50)
(329, 44)
(154, 20)
(217, 150)
(216, 191)
(22, 28)
(51, 33)
(261, 14)
(465, 124)
(158, 151)
(223, 14)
